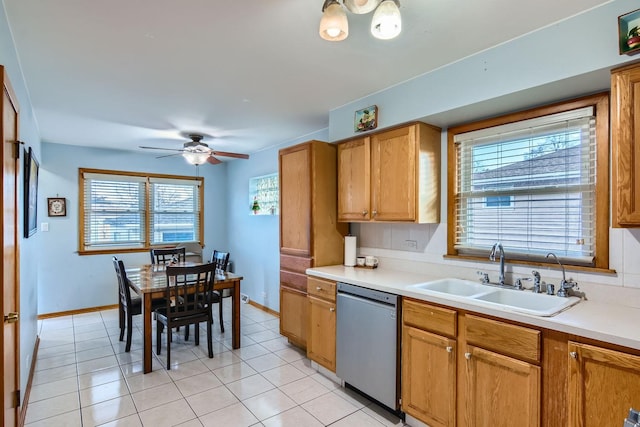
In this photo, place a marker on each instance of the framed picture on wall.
(31, 167)
(629, 32)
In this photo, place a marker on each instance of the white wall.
(28, 132)
(68, 281)
(254, 240)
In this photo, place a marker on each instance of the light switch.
(44, 226)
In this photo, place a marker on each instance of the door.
(295, 200)
(321, 338)
(501, 391)
(10, 330)
(429, 377)
(354, 178)
(603, 385)
(393, 175)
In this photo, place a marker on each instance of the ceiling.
(249, 74)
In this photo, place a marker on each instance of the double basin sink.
(521, 301)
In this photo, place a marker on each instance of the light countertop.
(610, 323)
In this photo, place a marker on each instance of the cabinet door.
(354, 168)
(295, 201)
(603, 385)
(321, 339)
(393, 175)
(429, 377)
(625, 134)
(501, 391)
(293, 315)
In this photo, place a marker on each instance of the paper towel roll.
(349, 251)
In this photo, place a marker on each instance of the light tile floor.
(84, 378)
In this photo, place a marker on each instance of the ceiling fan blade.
(213, 160)
(167, 155)
(226, 154)
(158, 148)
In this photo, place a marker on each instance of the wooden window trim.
(600, 102)
(147, 245)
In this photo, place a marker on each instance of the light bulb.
(334, 25)
(387, 22)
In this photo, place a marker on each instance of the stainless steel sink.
(503, 299)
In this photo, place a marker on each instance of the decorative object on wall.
(629, 32)
(31, 167)
(385, 24)
(57, 206)
(263, 195)
(366, 119)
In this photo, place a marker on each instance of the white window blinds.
(529, 185)
(114, 211)
(175, 211)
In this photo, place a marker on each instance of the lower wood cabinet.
(321, 336)
(603, 385)
(501, 390)
(429, 377)
(293, 315)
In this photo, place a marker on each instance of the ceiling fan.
(197, 152)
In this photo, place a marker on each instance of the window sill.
(579, 268)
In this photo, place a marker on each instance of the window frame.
(148, 212)
(600, 103)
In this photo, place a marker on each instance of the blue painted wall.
(29, 248)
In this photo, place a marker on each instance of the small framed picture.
(366, 119)
(629, 32)
(57, 206)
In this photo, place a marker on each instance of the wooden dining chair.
(221, 260)
(182, 284)
(128, 305)
(166, 255)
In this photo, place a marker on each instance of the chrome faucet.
(565, 284)
(492, 257)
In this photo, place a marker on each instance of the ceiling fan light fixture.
(387, 22)
(196, 157)
(333, 25)
(361, 7)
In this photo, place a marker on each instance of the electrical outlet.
(244, 298)
(411, 244)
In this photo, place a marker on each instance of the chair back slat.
(165, 256)
(221, 260)
(184, 284)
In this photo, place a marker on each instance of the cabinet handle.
(573, 354)
(374, 213)
(318, 288)
(332, 309)
(467, 356)
(365, 212)
(449, 349)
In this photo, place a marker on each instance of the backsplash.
(420, 248)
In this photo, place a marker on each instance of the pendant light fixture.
(333, 25)
(386, 23)
(361, 6)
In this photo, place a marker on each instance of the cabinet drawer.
(295, 264)
(511, 340)
(321, 288)
(429, 317)
(293, 280)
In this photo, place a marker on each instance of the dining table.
(150, 281)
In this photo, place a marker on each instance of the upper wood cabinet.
(603, 385)
(308, 225)
(625, 150)
(392, 175)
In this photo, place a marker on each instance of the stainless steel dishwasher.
(367, 342)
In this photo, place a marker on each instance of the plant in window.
(255, 207)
